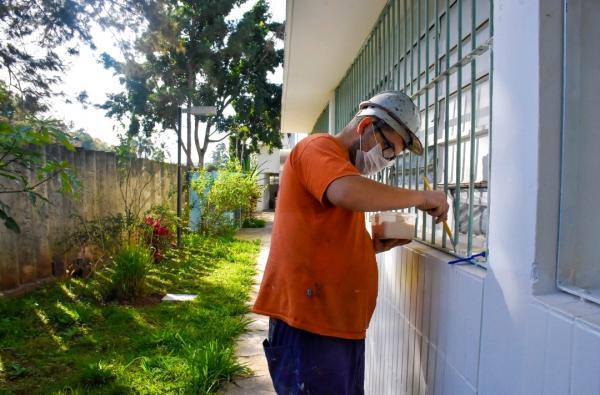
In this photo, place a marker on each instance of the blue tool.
(468, 259)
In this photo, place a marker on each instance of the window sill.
(572, 307)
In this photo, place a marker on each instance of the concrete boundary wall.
(28, 258)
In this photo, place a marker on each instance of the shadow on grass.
(64, 339)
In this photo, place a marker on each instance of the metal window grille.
(322, 123)
(415, 47)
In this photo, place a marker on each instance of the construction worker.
(320, 283)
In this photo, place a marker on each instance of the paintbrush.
(445, 223)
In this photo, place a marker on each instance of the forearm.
(358, 193)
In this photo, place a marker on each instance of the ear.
(362, 125)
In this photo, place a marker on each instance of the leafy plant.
(253, 223)
(211, 366)
(24, 169)
(103, 237)
(15, 371)
(97, 374)
(190, 54)
(231, 189)
(159, 237)
(130, 270)
(134, 177)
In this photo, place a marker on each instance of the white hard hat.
(398, 111)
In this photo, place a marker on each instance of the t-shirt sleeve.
(320, 163)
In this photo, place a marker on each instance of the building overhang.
(322, 38)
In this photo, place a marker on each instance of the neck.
(348, 138)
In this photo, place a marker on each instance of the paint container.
(393, 225)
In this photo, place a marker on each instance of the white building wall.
(441, 329)
(268, 163)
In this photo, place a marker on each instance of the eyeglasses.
(389, 152)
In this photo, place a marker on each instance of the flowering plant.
(159, 237)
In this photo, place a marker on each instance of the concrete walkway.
(249, 348)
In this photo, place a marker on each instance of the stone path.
(249, 348)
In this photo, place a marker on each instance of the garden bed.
(65, 339)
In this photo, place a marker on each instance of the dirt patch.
(147, 300)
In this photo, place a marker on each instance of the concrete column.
(513, 195)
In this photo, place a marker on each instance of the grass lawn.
(63, 339)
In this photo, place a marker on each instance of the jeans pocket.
(280, 362)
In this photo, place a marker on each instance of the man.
(320, 282)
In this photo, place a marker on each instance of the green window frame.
(414, 47)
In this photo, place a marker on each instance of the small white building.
(270, 165)
(509, 91)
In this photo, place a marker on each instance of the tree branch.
(221, 139)
(33, 187)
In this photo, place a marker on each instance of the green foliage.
(220, 156)
(210, 366)
(103, 236)
(130, 270)
(82, 139)
(253, 223)
(97, 374)
(135, 176)
(24, 168)
(231, 189)
(37, 37)
(62, 339)
(193, 56)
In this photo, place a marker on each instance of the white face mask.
(371, 161)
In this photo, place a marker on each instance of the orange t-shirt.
(321, 274)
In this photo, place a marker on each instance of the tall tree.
(258, 107)
(194, 56)
(37, 37)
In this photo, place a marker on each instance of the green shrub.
(211, 366)
(130, 269)
(97, 374)
(253, 223)
(232, 189)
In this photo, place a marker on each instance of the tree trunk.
(202, 150)
(198, 147)
(190, 82)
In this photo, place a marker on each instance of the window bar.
(352, 91)
(371, 64)
(411, 45)
(405, 83)
(447, 112)
(436, 107)
(472, 141)
(458, 127)
(375, 57)
(386, 43)
(396, 61)
(394, 40)
(417, 158)
(412, 88)
(360, 74)
(490, 89)
(426, 106)
(379, 52)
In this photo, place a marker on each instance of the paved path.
(249, 348)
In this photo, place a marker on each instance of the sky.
(87, 73)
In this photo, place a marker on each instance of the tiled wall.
(563, 347)
(424, 336)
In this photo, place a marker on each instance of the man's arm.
(358, 193)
